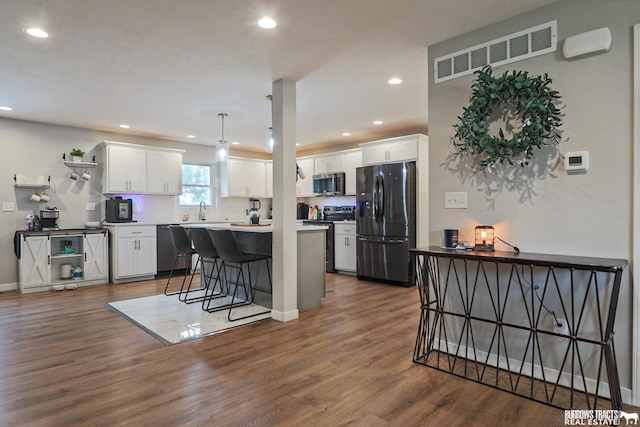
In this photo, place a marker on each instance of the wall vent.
(514, 47)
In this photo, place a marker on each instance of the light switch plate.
(455, 200)
(91, 206)
(8, 207)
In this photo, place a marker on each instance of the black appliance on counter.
(118, 209)
(303, 211)
(332, 214)
(49, 219)
(386, 222)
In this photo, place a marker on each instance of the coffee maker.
(49, 219)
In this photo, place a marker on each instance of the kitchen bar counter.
(311, 259)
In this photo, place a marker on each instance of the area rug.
(172, 321)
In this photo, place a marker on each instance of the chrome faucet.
(203, 207)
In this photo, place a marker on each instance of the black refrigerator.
(385, 222)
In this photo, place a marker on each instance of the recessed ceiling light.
(297, 145)
(5, 108)
(377, 122)
(346, 133)
(191, 136)
(36, 32)
(235, 143)
(267, 23)
(395, 81)
(125, 126)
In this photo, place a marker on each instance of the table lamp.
(484, 238)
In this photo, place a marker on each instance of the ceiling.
(168, 67)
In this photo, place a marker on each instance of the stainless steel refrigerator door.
(384, 259)
(397, 199)
(367, 179)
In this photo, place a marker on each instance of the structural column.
(285, 272)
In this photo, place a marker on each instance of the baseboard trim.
(8, 287)
(284, 317)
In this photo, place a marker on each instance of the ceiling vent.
(524, 44)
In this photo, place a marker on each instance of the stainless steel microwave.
(329, 184)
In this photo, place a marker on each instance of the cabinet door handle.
(48, 259)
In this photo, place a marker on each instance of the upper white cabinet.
(268, 179)
(404, 148)
(304, 187)
(164, 172)
(352, 160)
(139, 169)
(329, 163)
(242, 177)
(125, 169)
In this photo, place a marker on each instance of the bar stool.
(227, 247)
(207, 254)
(183, 248)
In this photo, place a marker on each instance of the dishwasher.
(167, 253)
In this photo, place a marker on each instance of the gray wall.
(32, 149)
(544, 209)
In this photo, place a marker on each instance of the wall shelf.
(72, 164)
(43, 185)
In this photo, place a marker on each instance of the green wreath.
(528, 99)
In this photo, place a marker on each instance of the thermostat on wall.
(576, 161)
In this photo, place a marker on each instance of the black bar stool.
(183, 248)
(227, 247)
(207, 254)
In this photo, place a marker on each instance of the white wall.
(34, 149)
(549, 211)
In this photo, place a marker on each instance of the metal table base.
(490, 317)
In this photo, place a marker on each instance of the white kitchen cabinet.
(35, 262)
(391, 150)
(345, 246)
(164, 172)
(43, 255)
(352, 161)
(242, 178)
(304, 187)
(133, 252)
(125, 169)
(329, 163)
(268, 179)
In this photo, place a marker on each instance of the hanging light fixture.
(222, 148)
(269, 136)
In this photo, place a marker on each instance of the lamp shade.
(222, 151)
(269, 140)
(484, 237)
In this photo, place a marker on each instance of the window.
(197, 184)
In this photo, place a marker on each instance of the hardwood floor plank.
(66, 359)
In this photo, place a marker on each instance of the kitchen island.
(257, 238)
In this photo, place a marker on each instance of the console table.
(492, 317)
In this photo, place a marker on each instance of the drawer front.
(136, 231)
(345, 229)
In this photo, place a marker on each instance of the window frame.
(212, 182)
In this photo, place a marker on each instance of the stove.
(332, 214)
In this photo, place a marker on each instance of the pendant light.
(222, 148)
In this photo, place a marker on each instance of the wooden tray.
(242, 224)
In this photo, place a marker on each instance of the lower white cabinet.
(133, 252)
(345, 246)
(62, 258)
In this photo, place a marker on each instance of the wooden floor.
(67, 360)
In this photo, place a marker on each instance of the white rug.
(172, 321)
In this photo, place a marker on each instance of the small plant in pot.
(255, 217)
(76, 155)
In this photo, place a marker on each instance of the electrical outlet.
(561, 327)
(91, 206)
(8, 207)
(456, 200)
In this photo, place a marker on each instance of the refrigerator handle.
(375, 199)
(381, 200)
